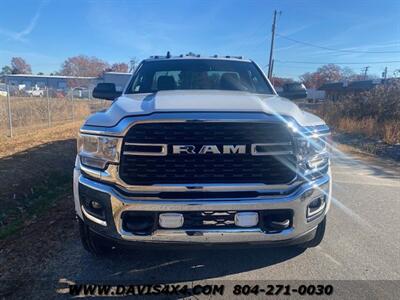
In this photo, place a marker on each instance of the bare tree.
(20, 66)
(324, 74)
(331, 73)
(280, 81)
(119, 67)
(82, 65)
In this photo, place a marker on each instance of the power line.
(336, 63)
(334, 49)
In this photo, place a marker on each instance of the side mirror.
(293, 95)
(106, 91)
(293, 91)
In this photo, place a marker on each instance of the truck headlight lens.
(312, 151)
(97, 151)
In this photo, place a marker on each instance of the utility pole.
(272, 69)
(271, 50)
(10, 123)
(365, 72)
(384, 74)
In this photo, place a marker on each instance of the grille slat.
(207, 168)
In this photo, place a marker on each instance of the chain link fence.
(21, 111)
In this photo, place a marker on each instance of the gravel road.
(362, 243)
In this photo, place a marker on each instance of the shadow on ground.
(169, 266)
(31, 180)
(22, 172)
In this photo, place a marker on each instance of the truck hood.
(200, 100)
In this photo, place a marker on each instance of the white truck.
(35, 92)
(200, 150)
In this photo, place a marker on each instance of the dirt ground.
(370, 146)
(24, 142)
(24, 253)
(35, 174)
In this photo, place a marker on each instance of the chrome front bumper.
(297, 201)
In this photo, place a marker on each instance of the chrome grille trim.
(255, 151)
(163, 152)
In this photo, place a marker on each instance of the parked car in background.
(35, 92)
(3, 90)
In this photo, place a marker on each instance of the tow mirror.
(106, 91)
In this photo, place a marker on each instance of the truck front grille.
(161, 166)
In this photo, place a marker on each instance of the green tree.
(6, 70)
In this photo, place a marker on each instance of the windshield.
(196, 74)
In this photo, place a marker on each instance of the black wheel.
(92, 242)
(319, 236)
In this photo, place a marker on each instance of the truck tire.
(319, 236)
(92, 242)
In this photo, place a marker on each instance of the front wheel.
(92, 242)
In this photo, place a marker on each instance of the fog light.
(95, 205)
(316, 206)
(246, 219)
(170, 220)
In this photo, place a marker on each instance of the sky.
(46, 32)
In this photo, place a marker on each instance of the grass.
(373, 114)
(388, 131)
(35, 171)
(43, 197)
(36, 167)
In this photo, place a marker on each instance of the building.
(64, 83)
(337, 90)
(28, 81)
(119, 79)
(314, 95)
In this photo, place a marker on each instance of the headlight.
(97, 151)
(312, 150)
